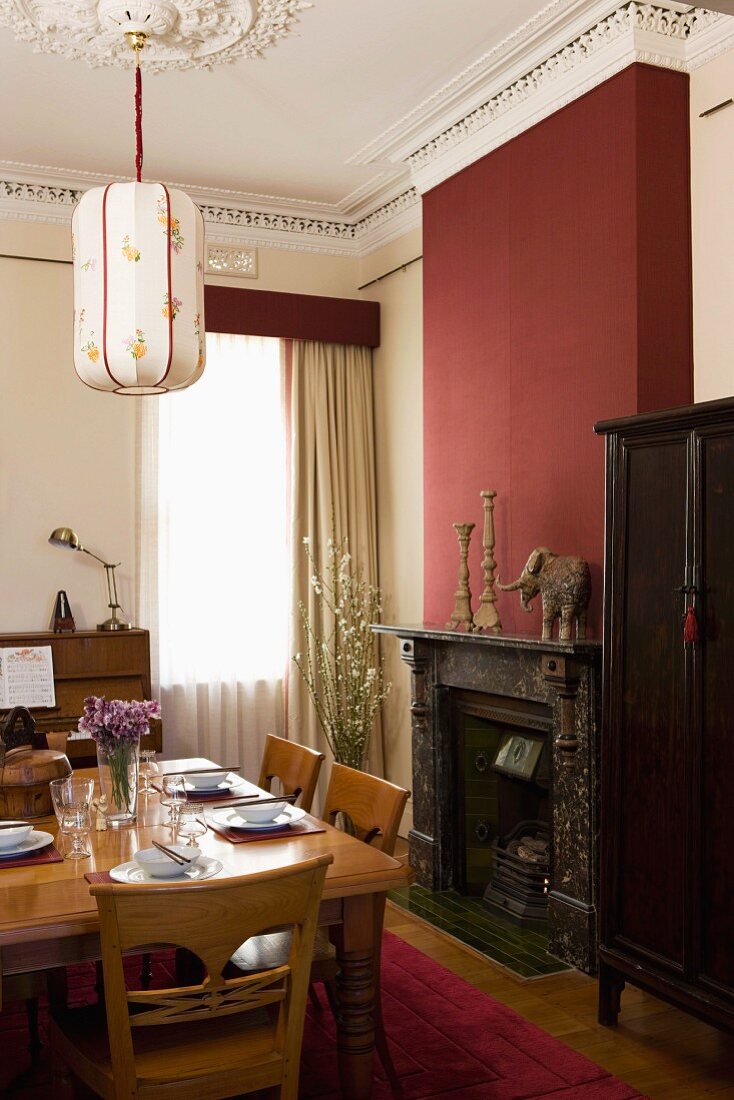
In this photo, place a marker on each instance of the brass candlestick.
(487, 616)
(461, 615)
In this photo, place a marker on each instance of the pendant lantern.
(138, 251)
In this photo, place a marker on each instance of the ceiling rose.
(187, 34)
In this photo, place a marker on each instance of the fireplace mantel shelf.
(437, 633)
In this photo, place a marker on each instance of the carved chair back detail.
(210, 919)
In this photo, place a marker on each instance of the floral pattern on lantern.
(132, 282)
(129, 251)
(171, 310)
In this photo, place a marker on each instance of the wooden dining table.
(49, 919)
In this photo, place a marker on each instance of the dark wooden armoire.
(667, 786)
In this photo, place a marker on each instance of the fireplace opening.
(503, 793)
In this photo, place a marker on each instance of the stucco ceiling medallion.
(187, 34)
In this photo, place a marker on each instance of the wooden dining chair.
(371, 809)
(220, 1037)
(295, 766)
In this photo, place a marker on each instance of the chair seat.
(267, 952)
(170, 1059)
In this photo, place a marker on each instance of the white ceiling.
(285, 125)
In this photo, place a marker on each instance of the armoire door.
(645, 817)
(713, 861)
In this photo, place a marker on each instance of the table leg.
(355, 995)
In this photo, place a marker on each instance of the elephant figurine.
(564, 585)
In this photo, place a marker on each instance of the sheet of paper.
(27, 677)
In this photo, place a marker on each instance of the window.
(222, 524)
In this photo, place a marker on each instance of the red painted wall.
(557, 291)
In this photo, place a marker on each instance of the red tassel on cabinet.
(690, 627)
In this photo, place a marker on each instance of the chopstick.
(175, 856)
(14, 824)
(201, 771)
(254, 801)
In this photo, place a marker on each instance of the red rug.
(449, 1042)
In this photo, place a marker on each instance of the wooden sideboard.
(91, 662)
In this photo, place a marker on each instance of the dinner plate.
(36, 839)
(132, 872)
(231, 818)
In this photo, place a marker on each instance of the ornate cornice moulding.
(53, 204)
(570, 47)
(668, 35)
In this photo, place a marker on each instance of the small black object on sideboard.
(667, 861)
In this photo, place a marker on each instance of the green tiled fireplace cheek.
(481, 801)
(524, 951)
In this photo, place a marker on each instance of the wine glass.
(69, 792)
(76, 822)
(148, 770)
(173, 795)
(190, 823)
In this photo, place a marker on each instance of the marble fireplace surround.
(566, 677)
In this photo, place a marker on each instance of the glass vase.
(118, 780)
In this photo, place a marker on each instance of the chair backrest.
(374, 806)
(210, 919)
(296, 766)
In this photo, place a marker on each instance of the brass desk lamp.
(64, 536)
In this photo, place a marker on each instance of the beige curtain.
(332, 474)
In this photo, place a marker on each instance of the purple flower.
(109, 723)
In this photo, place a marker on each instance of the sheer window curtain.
(212, 559)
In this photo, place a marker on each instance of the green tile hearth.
(524, 951)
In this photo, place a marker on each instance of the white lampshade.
(138, 252)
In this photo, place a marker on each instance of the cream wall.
(67, 454)
(712, 227)
(66, 458)
(398, 375)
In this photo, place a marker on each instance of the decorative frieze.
(222, 259)
(54, 204)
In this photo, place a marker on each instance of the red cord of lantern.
(138, 117)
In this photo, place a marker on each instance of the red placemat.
(229, 795)
(49, 854)
(241, 836)
(94, 877)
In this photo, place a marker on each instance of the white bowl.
(160, 865)
(259, 815)
(11, 838)
(206, 781)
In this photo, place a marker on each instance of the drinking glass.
(148, 770)
(173, 795)
(71, 792)
(190, 823)
(76, 822)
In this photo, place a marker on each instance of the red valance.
(292, 316)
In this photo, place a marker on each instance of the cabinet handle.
(691, 632)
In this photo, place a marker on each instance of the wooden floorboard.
(664, 1053)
